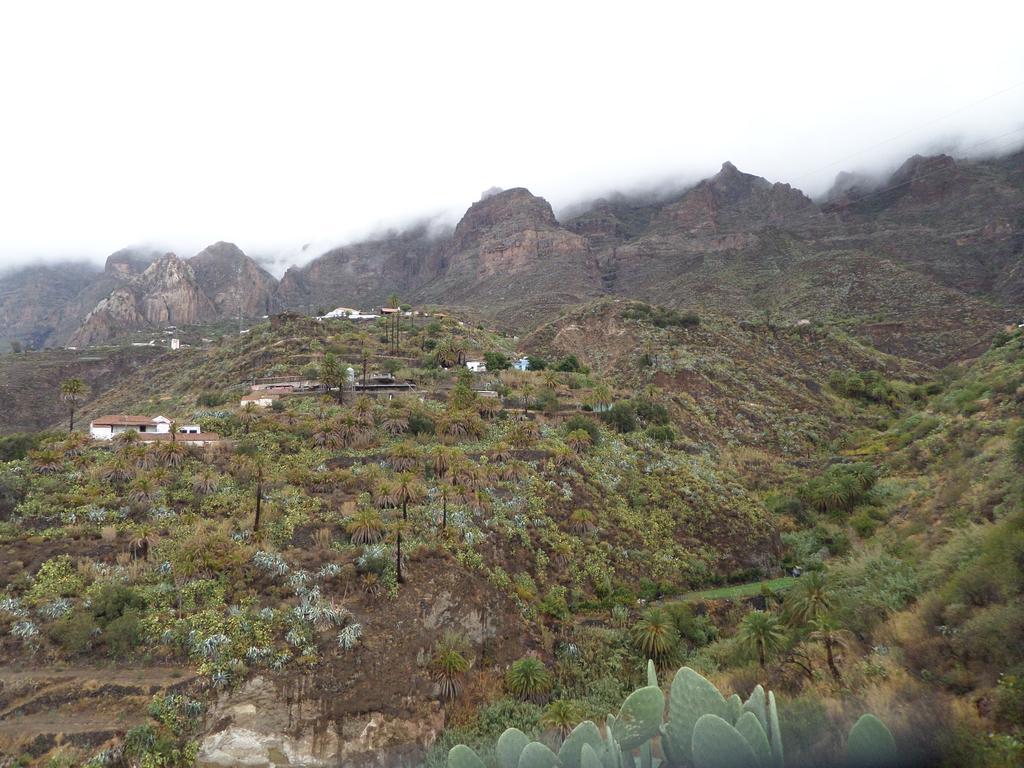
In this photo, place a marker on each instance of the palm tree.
(528, 678)
(657, 636)
(171, 453)
(394, 302)
(442, 459)
(407, 490)
(762, 633)
(449, 665)
(809, 600)
(581, 521)
(365, 527)
(827, 632)
(560, 715)
(579, 440)
(253, 466)
(403, 457)
(205, 481)
(73, 391)
(47, 461)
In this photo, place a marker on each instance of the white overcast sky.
(273, 124)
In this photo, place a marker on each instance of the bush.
(15, 447)
(651, 412)
(55, 578)
(568, 364)
(496, 361)
(74, 633)
(114, 601)
(537, 363)
(621, 417)
(420, 423)
(123, 634)
(210, 399)
(663, 433)
(587, 425)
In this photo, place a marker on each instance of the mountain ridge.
(926, 263)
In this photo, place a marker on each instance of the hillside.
(658, 455)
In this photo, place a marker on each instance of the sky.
(274, 125)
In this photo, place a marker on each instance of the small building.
(189, 429)
(476, 366)
(107, 427)
(522, 364)
(348, 313)
(261, 399)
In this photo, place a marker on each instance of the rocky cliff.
(927, 262)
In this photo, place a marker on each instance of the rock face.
(265, 724)
(924, 263)
(232, 281)
(217, 282)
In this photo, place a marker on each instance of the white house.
(261, 399)
(522, 364)
(476, 366)
(348, 313)
(106, 427)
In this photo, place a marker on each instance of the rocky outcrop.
(232, 281)
(166, 293)
(264, 724)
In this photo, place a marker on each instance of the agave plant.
(448, 666)
(350, 636)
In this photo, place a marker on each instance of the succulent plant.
(703, 730)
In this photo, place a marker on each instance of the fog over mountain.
(169, 132)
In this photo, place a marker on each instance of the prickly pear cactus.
(583, 734)
(639, 718)
(509, 747)
(716, 744)
(589, 758)
(735, 704)
(691, 697)
(870, 744)
(774, 732)
(652, 673)
(750, 729)
(461, 756)
(757, 703)
(537, 755)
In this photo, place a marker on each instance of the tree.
(657, 636)
(827, 632)
(333, 375)
(72, 392)
(396, 317)
(809, 600)
(528, 678)
(406, 489)
(561, 715)
(252, 465)
(761, 632)
(496, 361)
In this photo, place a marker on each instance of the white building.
(348, 313)
(106, 427)
(522, 364)
(259, 399)
(175, 343)
(476, 366)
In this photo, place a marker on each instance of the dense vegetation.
(585, 514)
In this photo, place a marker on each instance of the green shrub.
(55, 578)
(123, 634)
(115, 600)
(211, 399)
(74, 633)
(15, 447)
(496, 361)
(662, 434)
(420, 423)
(587, 425)
(537, 363)
(650, 412)
(621, 417)
(568, 364)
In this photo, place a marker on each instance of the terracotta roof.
(123, 421)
